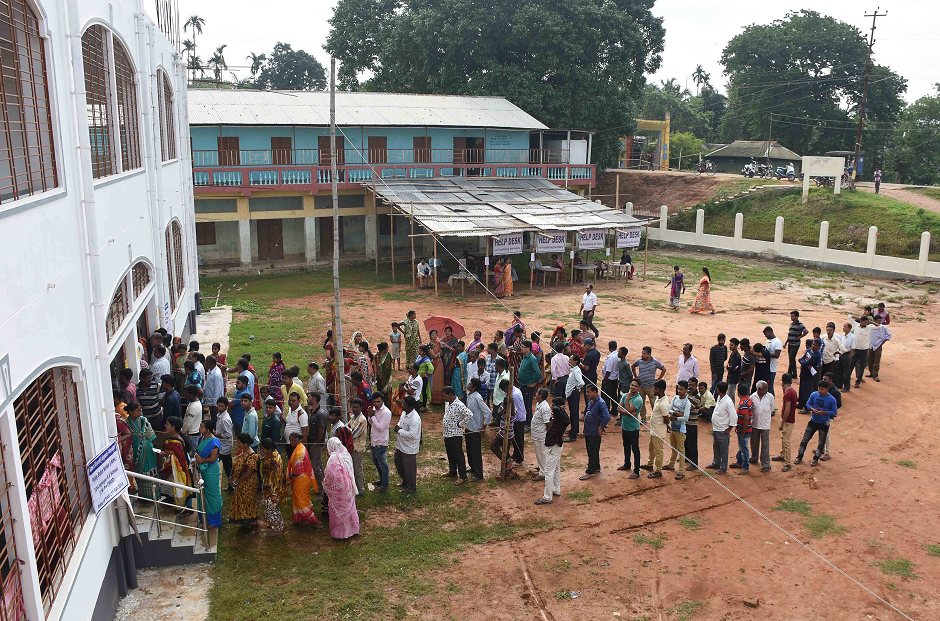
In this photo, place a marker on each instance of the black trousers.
(528, 392)
(474, 441)
(631, 445)
(846, 364)
(455, 457)
(691, 445)
(574, 412)
(518, 441)
(593, 445)
(610, 394)
(860, 361)
(226, 465)
(588, 318)
(558, 388)
(407, 468)
(829, 367)
(793, 349)
(811, 428)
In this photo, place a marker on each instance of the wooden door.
(270, 240)
(378, 149)
(229, 154)
(281, 151)
(422, 149)
(325, 226)
(323, 144)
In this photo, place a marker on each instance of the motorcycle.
(789, 172)
(765, 171)
(750, 169)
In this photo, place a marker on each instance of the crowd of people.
(178, 418)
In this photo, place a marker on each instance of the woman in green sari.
(458, 380)
(207, 456)
(412, 331)
(383, 368)
(142, 437)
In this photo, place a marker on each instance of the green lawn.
(931, 192)
(849, 215)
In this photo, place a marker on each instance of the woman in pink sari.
(340, 486)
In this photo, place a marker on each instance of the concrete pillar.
(699, 225)
(738, 230)
(663, 222)
(924, 253)
(628, 209)
(778, 235)
(872, 244)
(823, 239)
(310, 239)
(244, 242)
(372, 232)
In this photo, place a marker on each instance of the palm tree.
(256, 61)
(194, 23)
(700, 77)
(194, 65)
(217, 62)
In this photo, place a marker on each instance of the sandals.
(542, 501)
(679, 475)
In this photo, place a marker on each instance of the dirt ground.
(648, 190)
(592, 562)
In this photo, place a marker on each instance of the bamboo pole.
(435, 264)
(617, 192)
(413, 268)
(338, 324)
(535, 237)
(391, 237)
(646, 252)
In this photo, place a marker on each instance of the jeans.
(720, 442)
(380, 461)
(770, 383)
(574, 412)
(456, 462)
(717, 376)
(631, 445)
(811, 428)
(760, 445)
(558, 387)
(474, 441)
(691, 445)
(593, 446)
(744, 450)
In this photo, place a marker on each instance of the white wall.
(64, 253)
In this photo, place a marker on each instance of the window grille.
(169, 268)
(178, 257)
(126, 107)
(120, 307)
(97, 66)
(167, 124)
(140, 274)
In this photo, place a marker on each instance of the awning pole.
(413, 268)
(435, 263)
(391, 238)
(532, 262)
(646, 252)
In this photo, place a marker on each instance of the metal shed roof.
(469, 207)
(755, 149)
(312, 108)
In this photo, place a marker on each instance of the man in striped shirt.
(645, 369)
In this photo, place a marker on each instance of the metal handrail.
(154, 516)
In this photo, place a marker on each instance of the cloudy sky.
(907, 40)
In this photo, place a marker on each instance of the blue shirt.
(818, 402)
(681, 408)
(597, 415)
(172, 405)
(238, 412)
(518, 406)
(248, 375)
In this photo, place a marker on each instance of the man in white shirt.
(380, 420)
(832, 343)
(610, 377)
(688, 364)
(295, 421)
(424, 274)
(724, 419)
(862, 329)
(192, 418)
(588, 306)
(161, 362)
(772, 349)
(214, 386)
(561, 367)
(764, 405)
(316, 383)
(407, 444)
(846, 356)
(540, 422)
(573, 396)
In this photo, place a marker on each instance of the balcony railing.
(307, 168)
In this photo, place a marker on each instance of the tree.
(194, 65)
(915, 155)
(685, 112)
(808, 67)
(257, 60)
(289, 70)
(700, 77)
(579, 63)
(217, 62)
(194, 23)
(686, 145)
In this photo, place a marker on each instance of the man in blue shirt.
(823, 408)
(596, 418)
(172, 406)
(237, 412)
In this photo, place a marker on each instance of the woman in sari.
(539, 354)
(328, 345)
(175, 462)
(142, 436)
(499, 283)
(302, 481)
(426, 372)
(437, 359)
(273, 487)
(356, 339)
(507, 276)
(207, 457)
(340, 485)
(412, 331)
(703, 299)
(458, 379)
(365, 362)
(448, 354)
(384, 366)
(244, 509)
(275, 379)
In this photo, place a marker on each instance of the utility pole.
(339, 357)
(861, 110)
(769, 133)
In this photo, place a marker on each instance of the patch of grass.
(581, 495)
(823, 524)
(932, 549)
(792, 505)
(687, 609)
(690, 523)
(907, 464)
(897, 567)
(563, 595)
(655, 541)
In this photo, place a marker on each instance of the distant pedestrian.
(541, 419)
(837, 395)
(862, 328)
(678, 416)
(588, 307)
(676, 287)
(877, 181)
(687, 365)
(764, 405)
(733, 366)
(554, 441)
(645, 369)
(473, 432)
(659, 430)
(456, 417)
(703, 299)
(795, 334)
(787, 420)
(878, 337)
(610, 376)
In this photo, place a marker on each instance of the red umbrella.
(439, 323)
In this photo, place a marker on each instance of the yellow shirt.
(660, 409)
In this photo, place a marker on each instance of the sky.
(907, 39)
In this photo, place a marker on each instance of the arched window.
(178, 257)
(112, 112)
(140, 274)
(120, 307)
(49, 433)
(27, 153)
(169, 267)
(167, 124)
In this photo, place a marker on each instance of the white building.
(98, 248)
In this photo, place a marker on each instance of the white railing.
(155, 514)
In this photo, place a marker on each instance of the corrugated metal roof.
(245, 107)
(468, 206)
(754, 148)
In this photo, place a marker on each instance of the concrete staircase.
(165, 545)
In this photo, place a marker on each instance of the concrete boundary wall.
(866, 263)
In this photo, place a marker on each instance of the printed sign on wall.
(106, 477)
(507, 243)
(551, 241)
(629, 238)
(591, 239)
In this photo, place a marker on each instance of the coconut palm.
(256, 61)
(700, 77)
(194, 65)
(217, 62)
(194, 23)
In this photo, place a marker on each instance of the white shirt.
(611, 366)
(589, 300)
(294, 421)
(424, 269)
(763, 410)
(409, 433)
(317, 384)
(687, 368)
(214, 386)
(774, 345)
(192, 418)
(862, 335)
(202, 371)
(575, 382)
(724, 415)
(380, 420)
(541, 420)
(560, 366)
(413, 386)
(833, 346)
(161, 367)
(848, 343)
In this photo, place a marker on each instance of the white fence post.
(823, 239)
(738, 230)
(778, 235)
(663, 222)
(699, 225)
(924, 253)
(628, 209)
(872, 243)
